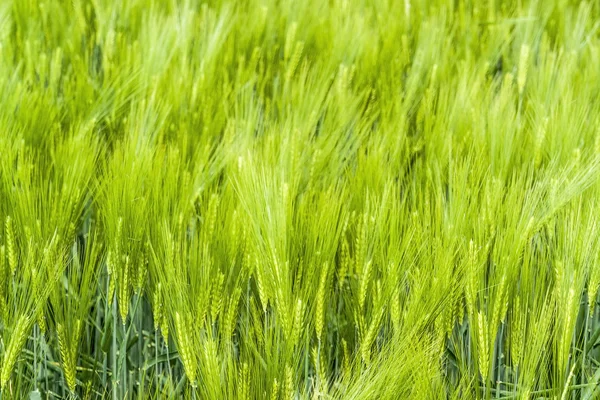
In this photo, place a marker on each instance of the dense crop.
(277, 199)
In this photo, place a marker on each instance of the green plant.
(294, 200)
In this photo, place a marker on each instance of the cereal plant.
(278, 199)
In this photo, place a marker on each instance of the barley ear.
(346, 360)
(344, 263)
(216, 298)
(12, 351)
(364, 284)
(483, 345)
(66, 356)
(523, 63)
(260, 283)
(243, 387)
(395, 310)
(3, 281)
(157, 306)
(230, 316)
(184, 346)
(10, 245)
(40, 317)
(124, 292)
(319, 323)
(275, 390)
(288, 384)
(298, 318)
(517, 335)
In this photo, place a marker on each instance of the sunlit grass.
(299, 199)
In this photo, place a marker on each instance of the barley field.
(316, 199)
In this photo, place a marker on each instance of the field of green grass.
(316, 199)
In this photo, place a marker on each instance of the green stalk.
(586, 333)
(157, 372)
(35, 367)
(113, 350)
(169, 370)
(123, 358)
(98, 343)
(47, 387)
(123, 348)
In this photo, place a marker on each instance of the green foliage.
(299, 199)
